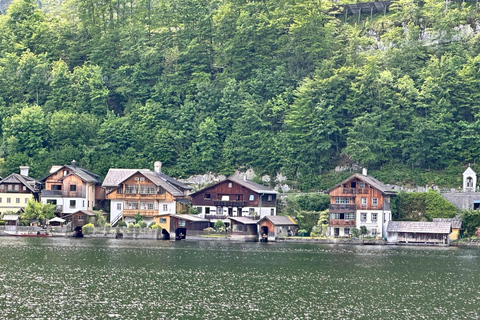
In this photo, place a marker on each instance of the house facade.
(71, 188)
(360, 200)
(235, 198)
(17, 189)
(141, 191)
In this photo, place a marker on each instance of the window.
(163, 220)
(252, 197)
(83, 203)
(165, 207)
(24, 188)
(251, 211)
(374, 217)
(2, 186)
(346, 231)
(342, 200)
(353, 184)
(363, 216)
(9, 200)
(350, 216)
(26, 200)
(88, 203)
(81, 218)
(199, 209)
(374, 202)
(0, 200)
(119, 206)
(181, 223)
(150, 206)
(131, 205)
(73, 203)
(54, 202)
(73, 187)
(237, 197)
(207, 210)
(364, 201)
(136, 179)
(361, 185)
(57, 187)
(206, 196)
(17, 200)
(272, 212)
(229, 184)
(16, 187)
(374, 231)
(269, 198)
(142, 179)
(10, 187)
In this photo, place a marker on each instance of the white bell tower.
(469, 180)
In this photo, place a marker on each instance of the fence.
(126, 233)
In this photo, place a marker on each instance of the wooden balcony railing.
(145, 213)
(355, 191)
(136, 196)
(341, 223)
(342, 208)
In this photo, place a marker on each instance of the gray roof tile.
(419, 227)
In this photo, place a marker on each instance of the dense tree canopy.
(277, 85)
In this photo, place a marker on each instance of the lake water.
(60, 278)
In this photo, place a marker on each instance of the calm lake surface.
(60, 278)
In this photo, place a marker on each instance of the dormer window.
(229, 184)
(206, 196)
(362, 185)
(73, 187)
(65, 172)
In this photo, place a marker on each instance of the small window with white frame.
(364, 201)
(229, 184)
(346, 231)
(119, 206)
(252, 197)
(270, 197)
(165, 207)
(342, 200)
(374, 202)
(361, 185)
(363, 216)
(349, 216)
(374, 217)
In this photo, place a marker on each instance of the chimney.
(24, 170)
(158, 166)
(364, 171)
(74, 163)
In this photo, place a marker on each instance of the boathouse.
(272, 227)
(183, 224)
(456, 226)
(244, 228)
(412, 232)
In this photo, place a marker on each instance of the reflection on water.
(133, 279)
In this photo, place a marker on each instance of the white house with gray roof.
(145, 192)
(17, 189)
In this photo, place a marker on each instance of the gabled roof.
(455, 222)
(115, 177)
(469, 172)
(83, 174)
(419, 227)
(377, 184)
(255, 187)
(280, 220)
(86, 212)
(32, 184)
(243, 220)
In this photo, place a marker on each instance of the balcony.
(354, 191)
(341, 223)
(224, 203)
(342, 208)
(145, 213)
(62, 193)
(216, 216)
(133, 196)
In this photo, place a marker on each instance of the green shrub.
(2, 223)
(156, 226)
(363, 230)
(355, 232)
(122, 224)
(136, 226)
(131, 225)
(302, 232)
(142, 224)
(86, 229)
(150, 226)
(219, 225)
(108, 225)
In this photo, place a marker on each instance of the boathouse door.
(336, 232)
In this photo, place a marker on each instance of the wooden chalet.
(272, 227)
(360, 200)
(141, 191)
(235, 198)
(80, 218)
(17, 189)
(415, 232)
(71, 188)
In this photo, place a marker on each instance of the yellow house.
(17, 189)
(456, 226)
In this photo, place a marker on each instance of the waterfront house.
(80, 218)
(17, 189)
(456, 226)
(71, 188)
(244, 228)
(234, 197)
(182, 225)
(413, 232)
(141, 191)
(360, 200)
(272, 227)
(11, 221)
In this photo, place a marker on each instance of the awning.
(476, 201)
(57, 219)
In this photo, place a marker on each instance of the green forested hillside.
(210, 85)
